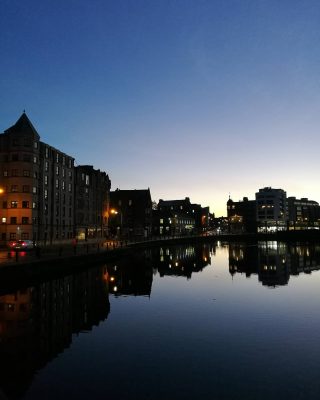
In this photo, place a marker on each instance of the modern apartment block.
(303, 213)
(92, 190)
(38, 190)
(271, 209)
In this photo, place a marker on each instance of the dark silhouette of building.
(92, 193)
(303, 213)
(130, 213)
(242, 216)
(185, 208)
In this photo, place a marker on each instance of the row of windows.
(22, 157)
(15, 204)
(59, 158)
(26, 142)
(16, 172)
(25, 189)
(14, 220)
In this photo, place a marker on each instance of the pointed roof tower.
(23, 126)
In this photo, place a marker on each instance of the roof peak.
(23, 125)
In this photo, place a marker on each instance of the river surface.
(223, 321)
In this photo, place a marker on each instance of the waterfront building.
(172, 223)
(92, 191)
(271, 210)
(130, 213)
(37, 190)
(242, 216)
(36, 182)
(184, 207)
(303, 213)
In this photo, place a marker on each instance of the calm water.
(209, 322)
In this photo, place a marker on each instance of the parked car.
(21, 245)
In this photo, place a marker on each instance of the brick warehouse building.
(37, 187)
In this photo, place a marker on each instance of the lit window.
(57, 170)
(46, 166)
(14, 204)
(35, 160)
(34, 189)
(4, 220)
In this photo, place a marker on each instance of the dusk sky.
(190, 98)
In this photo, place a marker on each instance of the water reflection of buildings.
(273, 262)
(37, 323)
(182, 260)
(131, 276)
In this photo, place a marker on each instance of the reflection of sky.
(211, 335)
(196, 99)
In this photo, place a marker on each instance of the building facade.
(303, 213)
(92, 191)
(271, 210)
(130, 213)
(38, 189)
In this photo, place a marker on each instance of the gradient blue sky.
(190, 98)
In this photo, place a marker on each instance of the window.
(57, 157)
(35, 145)
(69, 187)
(27, 142)
(26, 188)
(63, 160)
(47, 152)
(34, 205)
(15, 157)
(82, 177)
(25, 236)
(14, 188)
(4, 220)
(26, 158)
(70, 174)
(57, 170)
(13, 220)
(46, 166)
(34, 189)
(25, 204)
(63, 185)
(63, 172)
(12, 236)
(57, 183)
(5, 173)
(87, 179)
(130, 202)
(45, 193)
(14, 172)
(4, 204)
(35, 174)
(26, 172)
(46, 179)
(70, 163)
(14, 204)
(35, 159)
(25, 220)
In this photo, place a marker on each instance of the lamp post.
(115, 212)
